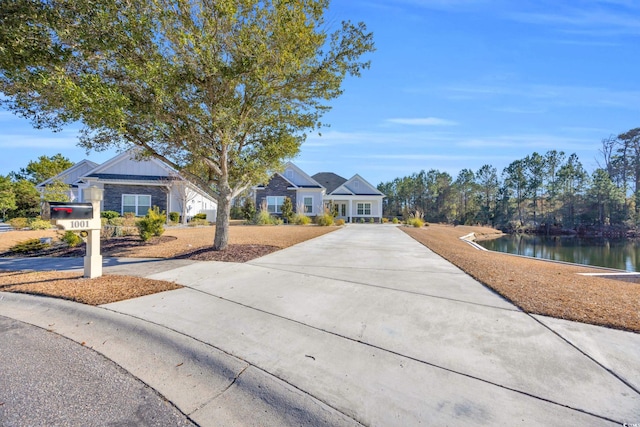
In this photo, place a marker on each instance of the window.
(364, 208)
(139, 204)
(274, 204)
(308, 204)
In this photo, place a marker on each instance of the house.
(133, 184)
(353, 200)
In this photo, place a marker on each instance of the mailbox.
(61, 210)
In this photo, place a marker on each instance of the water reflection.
(623, 254)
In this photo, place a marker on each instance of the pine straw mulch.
(537, 286)
(246, 243)
(72, 286)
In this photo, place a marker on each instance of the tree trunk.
(221, 238)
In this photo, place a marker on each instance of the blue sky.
(454, 84)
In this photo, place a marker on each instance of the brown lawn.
(537, 286)
(246, 242)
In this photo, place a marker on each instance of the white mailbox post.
(83, 217)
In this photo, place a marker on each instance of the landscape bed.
(538, 286)
(246, 243)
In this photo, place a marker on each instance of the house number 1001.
(79, 224)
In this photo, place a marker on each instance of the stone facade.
(277, 187)
(113, 195)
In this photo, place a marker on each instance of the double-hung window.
(274, 204)
(364, 208)
(139, 204)
(308, 204)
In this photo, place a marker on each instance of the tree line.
(18, 194)
(539, 192)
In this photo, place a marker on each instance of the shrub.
(249, 210)
(340, 221)
(200, 215)
(39, 224)
(19, 223)
(263, 218)
(198, 222)
(416, 222)
(301, 219)
(71, 239)
(236, 212)
(109, 214)
(395, 220)
(372, 221)
(385, 220)
(361, 221)
(129, 220)
(287, 209)
(174, 216)
(31, 245)
(325, 219)
(152, 224)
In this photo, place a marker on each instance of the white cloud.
(425, 121)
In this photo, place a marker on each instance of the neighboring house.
(70, 176)
(352, 199)
(135, 185)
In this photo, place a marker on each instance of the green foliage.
(27, 199)
(39, 224)
(31, 245)
(249, 209)
(57, 191)
(361, 220)
(71, 239)
(7, 196)
(287, 209)
(201, 215)
(19, 223)
(415, 222)
(325, 219)
(395, 220)
(174, 216)
(301, 219)
(236, 212)
(109, 214)
(44, 168)
(256, 77)
(264, 218)
(198, 222)
(152, 224)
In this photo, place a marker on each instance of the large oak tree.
(222, 90)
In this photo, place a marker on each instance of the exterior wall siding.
(277, 187)
(113, 195)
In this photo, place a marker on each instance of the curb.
(209, 386)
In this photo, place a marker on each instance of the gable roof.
(353, 184)
(329, 180)
(107, 169)
(71, 175)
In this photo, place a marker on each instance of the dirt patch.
(537, 286)
(246, 243)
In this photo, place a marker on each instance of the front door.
(340, 210)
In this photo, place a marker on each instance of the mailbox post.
(83, 217)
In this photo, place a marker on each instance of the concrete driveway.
(365, 326)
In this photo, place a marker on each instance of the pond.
(622, 254)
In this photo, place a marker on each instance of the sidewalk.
(360, 326)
